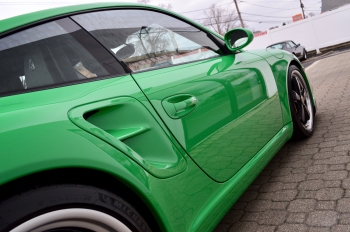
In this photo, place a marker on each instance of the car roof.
(280, 42)
(10, 24)
(30, 18)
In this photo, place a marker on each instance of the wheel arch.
(296, 63)
(84, 176)
(281, 72)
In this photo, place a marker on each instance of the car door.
(222, 108)
(60, 89)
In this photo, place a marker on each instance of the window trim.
(124, 65)
(60, 85)
(36, 23)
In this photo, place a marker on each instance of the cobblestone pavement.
(306, 186)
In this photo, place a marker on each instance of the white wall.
(327, 29)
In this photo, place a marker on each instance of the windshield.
(277, 46)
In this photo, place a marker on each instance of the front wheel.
(302, 110)
(69, 208)
(305, 55)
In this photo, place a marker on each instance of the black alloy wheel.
(301, 107)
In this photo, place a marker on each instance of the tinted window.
(52, 53)
(147, 39)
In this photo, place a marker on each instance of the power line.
(211, 17)
(268, 2)
(243, 13)
(250, 1)
(269, 7)
(205, 8)
(265, 15)
(257, 21)
(313, 4)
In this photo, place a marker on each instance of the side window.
(291, 44)
(147, 39)
(52, 53)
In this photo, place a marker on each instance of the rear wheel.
(69, 208)
(301, 107)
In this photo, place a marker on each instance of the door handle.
(179, 106)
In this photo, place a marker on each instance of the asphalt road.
(324, 55)
(306, 186)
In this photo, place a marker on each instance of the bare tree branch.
(143, 1)
(220, 19)
(168, 7)
(162, 5)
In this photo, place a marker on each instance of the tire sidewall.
(33, 203)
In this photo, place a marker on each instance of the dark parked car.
(288, 45)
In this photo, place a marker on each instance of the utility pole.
(239, 14)
(302, 8)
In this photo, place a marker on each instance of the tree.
(150, 40)
(168, 7)
(143, 1)
(221, 19)
(162, 5)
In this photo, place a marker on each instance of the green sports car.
(128, 117)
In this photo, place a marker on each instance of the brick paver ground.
(306, 186)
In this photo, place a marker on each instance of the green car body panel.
(235, 99)
(173, 157)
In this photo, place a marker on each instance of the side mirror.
(297, 45)
(238, 38)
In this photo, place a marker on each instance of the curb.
(313, 64)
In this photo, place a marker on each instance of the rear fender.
(89, 154)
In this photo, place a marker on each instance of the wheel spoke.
(302, 112)
(296, 96)
(300, 87)
(297, 88)
(306, 110)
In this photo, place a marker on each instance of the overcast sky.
(258, 14)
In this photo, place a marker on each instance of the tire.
(304, 55)
(69, 207)
(302, 110)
